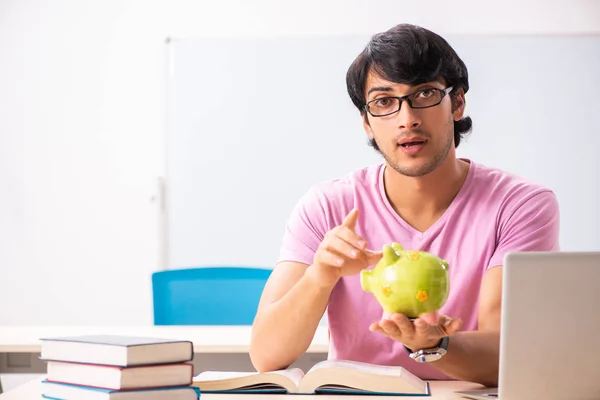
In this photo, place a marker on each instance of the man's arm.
(474, 355)
(291, 305)
(296, 295)
(288, 315)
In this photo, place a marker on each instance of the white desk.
(439, 390)
(206, 339)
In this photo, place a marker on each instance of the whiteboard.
(254, 122)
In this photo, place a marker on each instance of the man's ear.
(458, 104)
(367, 126)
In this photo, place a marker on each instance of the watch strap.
(442, 344)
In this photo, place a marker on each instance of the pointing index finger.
(350, 220)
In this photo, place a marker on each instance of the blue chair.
(207, 295)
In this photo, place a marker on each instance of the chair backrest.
(207, 295)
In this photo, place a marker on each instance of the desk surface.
(206, 339)
(439, 390)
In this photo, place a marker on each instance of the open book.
(331, 376)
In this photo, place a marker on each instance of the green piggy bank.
(408, 282)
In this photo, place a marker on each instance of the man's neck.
(420, 201)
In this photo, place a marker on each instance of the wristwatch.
(430, 354)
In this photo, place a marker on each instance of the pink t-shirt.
(494, 213)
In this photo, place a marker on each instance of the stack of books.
(111, 367)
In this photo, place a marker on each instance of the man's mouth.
(412, 143)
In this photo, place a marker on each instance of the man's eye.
(425, 94)
(383, 102)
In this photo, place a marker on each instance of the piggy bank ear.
(389, 255)
(397, 247)
(445, 263)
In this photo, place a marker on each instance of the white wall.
(82, 117)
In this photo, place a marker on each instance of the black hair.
(409, 54)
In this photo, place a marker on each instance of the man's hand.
(341, 253)
(422, 333)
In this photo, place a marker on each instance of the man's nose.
(408, 117)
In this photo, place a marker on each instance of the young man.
(409, 86)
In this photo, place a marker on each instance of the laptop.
(550, 334)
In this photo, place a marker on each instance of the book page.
(287, 380)
(358, 375)
(363, 367)
(294, 374)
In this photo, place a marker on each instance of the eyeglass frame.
(402, 99)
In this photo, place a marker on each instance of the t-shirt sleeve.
(305, 229)
(530, 225)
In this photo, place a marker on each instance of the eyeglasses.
(423, 98)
